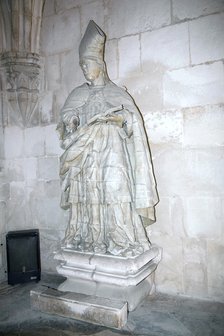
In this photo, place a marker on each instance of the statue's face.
(91, 69)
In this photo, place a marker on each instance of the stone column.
(20, 59)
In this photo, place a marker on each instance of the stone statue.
(106, 170)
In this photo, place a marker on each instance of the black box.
(23, 256)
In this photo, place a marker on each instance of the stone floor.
(160, 315)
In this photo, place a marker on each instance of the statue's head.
(91, 52)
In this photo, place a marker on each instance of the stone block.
(129, 56)
(71, 72)
(59, 99)
(15, 169)
(170, 174)
(92, 309)
(190, 9)
(167, 47)
(51, 141)
(52, 73)
(92, 11)
(163, 223)
(195, 251)
(54, 30)
(195, 267)
(203, 217)
(47, 213)
(48, 168)
(111, 58)
(49, 243)
(13, 142)
(33, 141)
(30, 168)
(4, 191)
(62, 6)
(46, 107)
(195, 280)
(169, 274)
(215, 259)
(146, 89)
(206, 38)
(164, 126)
(204, 166)
(2, 218)
(177, 216)
(139, 16)
(204, 126)
(17, 191)
(198, 85)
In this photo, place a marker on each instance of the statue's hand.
(72, 124)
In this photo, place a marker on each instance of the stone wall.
(169, 54)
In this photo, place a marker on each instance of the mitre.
(92, 43)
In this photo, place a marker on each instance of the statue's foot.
(100, 248)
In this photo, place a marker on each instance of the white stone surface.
(56, 28)
(106, 312)
(52, 72)
(130, 17)
(164, 126)
(206, 38)
(146, 89)
(51, 141)
(48, 168)
(189, 9)
(198, 85)
(92, 11)
(204, 167)
(13, 142)
(46, 106)
(129, 57)
(111, 58)
(169, 274)
(215, 260)
(167, 47)
(201, 214)
(70, 70)
(204, 126)
(33, 141)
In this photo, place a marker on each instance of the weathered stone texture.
(203, 126)
(129, 60)
(164, 126)
(189, 9)
(130, 17)
(206, 38)
(201, 213)
(199, 85)
(58, 32)
(92, 11)
(71, 74)
(167, 46)
(48, 168)
(111, 58)
(52, 72)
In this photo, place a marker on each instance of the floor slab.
(158, 315)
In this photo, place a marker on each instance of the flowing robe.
(106, 173)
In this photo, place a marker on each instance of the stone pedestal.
(113, 277)
(100, 289)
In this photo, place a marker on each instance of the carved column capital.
(22, 79)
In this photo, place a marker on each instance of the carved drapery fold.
(20, 59)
